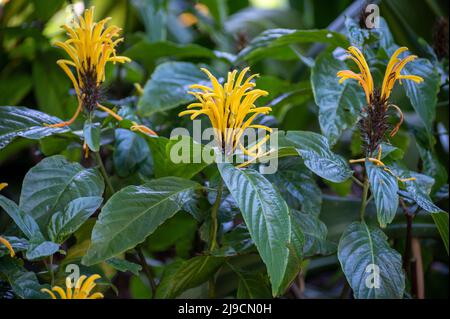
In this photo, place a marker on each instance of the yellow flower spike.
(393, 69)
(230, 108)
(8, 245)
(3, 185)
(90, 47)
(81, 289)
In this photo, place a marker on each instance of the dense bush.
(342, 194)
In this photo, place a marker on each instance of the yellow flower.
(231, 109)
(90, 47)
(374, 120)
(392, 75)
(3, 185)
(82, 289)
(8, 245)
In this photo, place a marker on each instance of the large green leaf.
(317, 156)
(372, 268)
(183, 275)
(169, 85)
(186, 153)
(124, 265)
(273, 43)
(421, 196)
(266, 215)
(24, 283)
(297, 185)
(148, 52)
(19, 121)
(41, 249)
(66, 222)
(38, 247)
(25, 222)
(252, 285)
(423, 96)
(54, 182)
(339, 104)
(384, 187)
(130, 153)
(133, 213)
(314, 232)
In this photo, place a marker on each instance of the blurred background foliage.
(212, 32)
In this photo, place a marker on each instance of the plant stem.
(98, 158)
(49, 266)
(357, 181)
(147, 270)
(364, 198)
(214, 223)
(407, 252)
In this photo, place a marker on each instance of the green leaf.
(66, 222)
(420, 195)
(356, 35)
(318, 157)
(235, 242)
(363, 253)
(131, 151)
(148, 52)
(252, 285)
(441, 221)
(314, 232)
(133, 213)
(24, 283)
(41, 249)
(423, 96)
(184, 275)
(297, 185)
(92, 135)
(169, 85)
(54, 182)
(19, 121)
(186, 153)
(384, 188)
(339, 104)
(124, 265)
(25, 222)
(266, 215)
(272, 43)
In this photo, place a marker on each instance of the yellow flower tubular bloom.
(8, 245)
(231, 109)
(3, 185)
(90, 46)
(392, 75)
(81, 290)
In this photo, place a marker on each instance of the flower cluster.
(81, 289)
(231, 109)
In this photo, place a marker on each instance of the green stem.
(364, 198)
(214, 209)
(147, 270)
(49, 266)
(98, 158)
